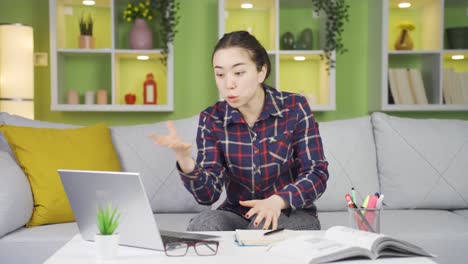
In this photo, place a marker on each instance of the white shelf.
(429, 54)
(264, 21)
(107, 66)
(111, 108)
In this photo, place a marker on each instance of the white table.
(80, 251)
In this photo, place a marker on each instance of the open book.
(341, 242)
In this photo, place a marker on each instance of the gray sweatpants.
(219, 220)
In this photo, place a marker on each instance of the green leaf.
(107, 219)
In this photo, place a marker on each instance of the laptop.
(138, 228)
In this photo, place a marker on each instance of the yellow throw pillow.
(41, 151)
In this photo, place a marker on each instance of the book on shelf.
(341, 242)
(455, 87)
(404, 86)
(407, 86)
(447, 85)
(392, 82)
(417, 86)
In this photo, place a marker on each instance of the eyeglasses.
(202, 248)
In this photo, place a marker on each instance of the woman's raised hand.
(183, 150)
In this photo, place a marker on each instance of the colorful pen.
(273, 231)
(358, 212)
(353, 194)
(380, 201)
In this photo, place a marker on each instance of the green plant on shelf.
(139, 10)
(336, 12)
(86, 25)
(107, 219)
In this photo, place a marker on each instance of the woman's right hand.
(183, 150)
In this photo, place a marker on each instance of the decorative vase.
(141, 36)
(287, 41)
(404, 41)
(106, 246)
(457, 37)
(305, 40)
(86, 42)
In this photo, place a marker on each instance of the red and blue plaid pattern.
(281, 154)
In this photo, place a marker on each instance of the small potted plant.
(86, 39)
(107, 240)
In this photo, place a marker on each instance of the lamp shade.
(17, 70)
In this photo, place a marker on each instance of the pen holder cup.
(364, 219)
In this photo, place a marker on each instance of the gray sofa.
(420, 165)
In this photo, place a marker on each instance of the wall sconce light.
(17, 69)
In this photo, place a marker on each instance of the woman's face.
(236, 76)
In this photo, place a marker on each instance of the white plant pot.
(106, 246)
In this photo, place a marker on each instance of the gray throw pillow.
(422, 162)
(157, 165)
(350, 151)
(16, 202)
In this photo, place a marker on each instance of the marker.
(273, 232)
(353, 195)
(380, 201)
(350, 201)
(358, 212)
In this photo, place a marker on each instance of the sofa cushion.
(15, 120)
(157, 165)
(174, 221)
(422, 162)
(36, 244)
(350, 150)
(41, 151)
(16, 202)
(463, 212)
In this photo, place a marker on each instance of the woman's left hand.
(268, 209)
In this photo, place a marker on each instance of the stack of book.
(455, 87)
(407, 86)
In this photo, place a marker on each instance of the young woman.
(262, 145)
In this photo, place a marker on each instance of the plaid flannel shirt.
(281, 154)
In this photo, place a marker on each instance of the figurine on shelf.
(150, 90)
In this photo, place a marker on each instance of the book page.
(395, 247)
(315, 249)
(354, 237)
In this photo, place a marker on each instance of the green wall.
(194, 84)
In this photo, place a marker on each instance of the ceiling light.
(458, 57)
(404, 5)
(88, 2)
(246, 5)
(142, 57)
(299, 58)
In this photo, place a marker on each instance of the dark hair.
(243, 39)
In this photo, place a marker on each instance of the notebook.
(138, 228)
